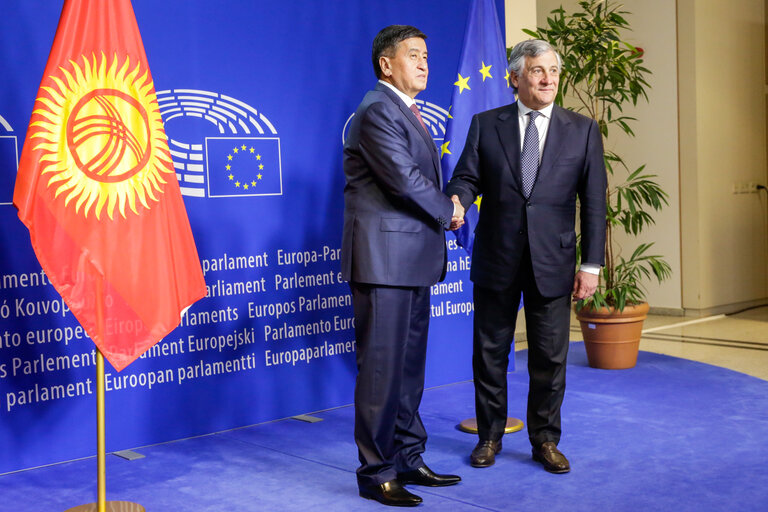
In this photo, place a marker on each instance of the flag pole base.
(112, 506)
(470, 425)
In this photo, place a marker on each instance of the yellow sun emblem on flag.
(102, 136)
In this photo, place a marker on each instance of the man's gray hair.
(530, 48)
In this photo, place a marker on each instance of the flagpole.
(101, 437)
(483, 52)
(102, 505)
(83, 253)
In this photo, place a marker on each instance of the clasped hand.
(458, 218)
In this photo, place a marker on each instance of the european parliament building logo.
(221, 146)
(9, 161)
(434, 116)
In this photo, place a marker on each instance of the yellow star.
(444, 149)
(237, 183)
(506, 78)
(235, 150)
(449, 112)
(261, 167)
(229, 157)
(485, 71)
(253, 183)
(477, 202)
(462, 83)
(258, 175)
(231, 177)
(252, 150)
(228, 167)
(242, 147)
(245, 186)
(258, 157)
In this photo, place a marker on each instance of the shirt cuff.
(590, 268)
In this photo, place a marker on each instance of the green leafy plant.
(602, 74)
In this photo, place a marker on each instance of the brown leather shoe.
(390, 493)
(551, 458)
(484, 454)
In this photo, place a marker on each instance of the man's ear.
(386, 67)
(513, 79)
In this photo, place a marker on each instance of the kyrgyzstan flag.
(97, 189)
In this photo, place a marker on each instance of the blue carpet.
(670, 434)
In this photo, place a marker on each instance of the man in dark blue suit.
(393, 250)
(531, 161)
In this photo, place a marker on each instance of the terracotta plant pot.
(612, 338)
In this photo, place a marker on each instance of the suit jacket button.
(528, 204)
(521, 232)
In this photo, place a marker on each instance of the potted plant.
(602, 74)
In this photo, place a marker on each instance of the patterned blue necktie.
(529, 157)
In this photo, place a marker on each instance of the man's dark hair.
(386, 41)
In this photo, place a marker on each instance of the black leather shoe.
(551, 458)
(427, 477)
(390, 493)
(484, 454)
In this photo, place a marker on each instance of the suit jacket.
(571, 167)
(394, 210)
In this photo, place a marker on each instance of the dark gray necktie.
(529, 157)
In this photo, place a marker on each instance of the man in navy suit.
(530, 160)
(393, 250)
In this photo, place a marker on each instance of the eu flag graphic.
(482, 84)
(243, 166)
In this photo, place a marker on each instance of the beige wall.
(704, 54)
(722, 127)
(519, 14)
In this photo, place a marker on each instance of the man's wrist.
(590, 268)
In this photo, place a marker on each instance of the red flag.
(97, 189)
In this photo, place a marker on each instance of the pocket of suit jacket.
(400, 224)
(568, 239)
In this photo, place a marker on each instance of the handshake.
(458, 214)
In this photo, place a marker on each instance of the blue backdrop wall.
(271, 85)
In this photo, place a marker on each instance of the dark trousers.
(547, 323)
(391, 326)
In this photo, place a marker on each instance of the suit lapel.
(417, 126)
(508, 128)
(558, 128)
(425, 136)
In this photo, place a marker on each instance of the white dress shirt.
(406, 99)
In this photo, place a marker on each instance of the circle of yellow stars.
(228, 167)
